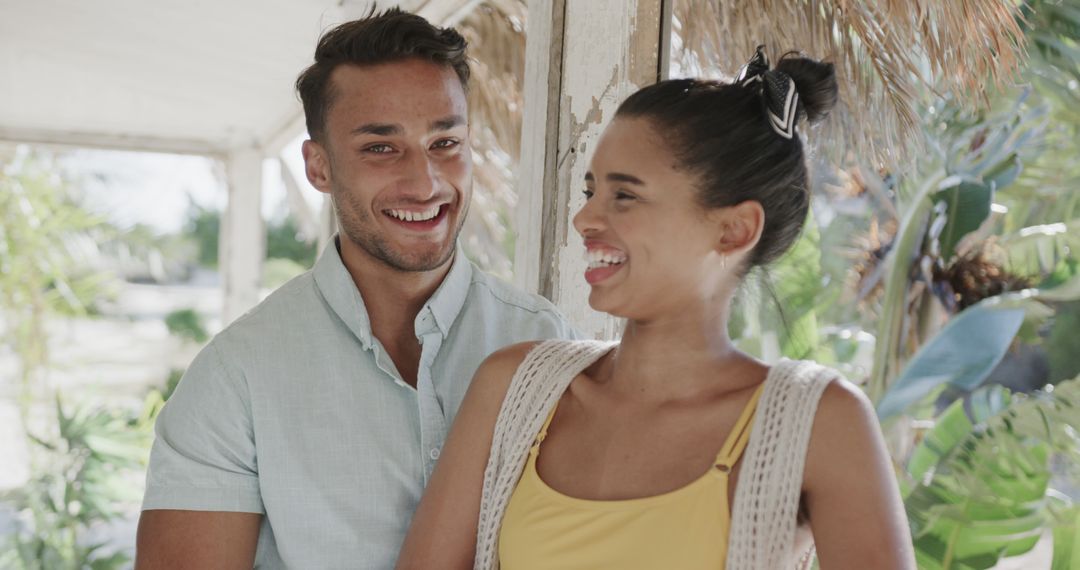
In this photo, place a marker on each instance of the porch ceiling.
(199, 76)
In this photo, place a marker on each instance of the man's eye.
(379, 149)
(446, 143)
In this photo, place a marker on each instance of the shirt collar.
(340, 292)
(337, 288)
(447, 301)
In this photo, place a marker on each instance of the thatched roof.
(886, 53)
(496, 35)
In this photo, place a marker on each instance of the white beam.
(583, 57)
(438, 12)
(328, 224)
(306, 218)
(243, 234)
(111, 141)
(447, 12)
(284, 134)
(536, 173)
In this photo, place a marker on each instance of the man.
(303, 434)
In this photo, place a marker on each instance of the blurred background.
(152, 189)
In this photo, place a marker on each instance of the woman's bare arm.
(443, 531)
(856, 514)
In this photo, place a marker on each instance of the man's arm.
(176, 540)
(203, 505)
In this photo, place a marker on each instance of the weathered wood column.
(242, 241)
(583, 57)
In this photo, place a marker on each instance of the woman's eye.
(624, 196)
(588, 194)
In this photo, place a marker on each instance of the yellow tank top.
(687, 528)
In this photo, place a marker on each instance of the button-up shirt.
(297, 411)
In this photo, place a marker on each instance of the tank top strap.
(544, 429)
(740, 434)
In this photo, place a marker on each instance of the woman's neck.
(678, 356)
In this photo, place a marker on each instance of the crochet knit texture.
(766, 503)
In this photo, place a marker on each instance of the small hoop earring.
(723, 261)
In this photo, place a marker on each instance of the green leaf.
(1004, 174)
(1037, 250)
(967, 205)
(953, 426)
(1067, 544)
(1066, 292)
(981, 487)
(962, 355)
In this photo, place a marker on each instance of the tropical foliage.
(964, 279)
(86, 474)
(83, 459)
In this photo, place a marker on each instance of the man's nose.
(422, 177)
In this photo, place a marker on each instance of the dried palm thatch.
(495, 31)
(885, 53)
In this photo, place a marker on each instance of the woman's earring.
(723, 261)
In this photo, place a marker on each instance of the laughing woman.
(671, 449)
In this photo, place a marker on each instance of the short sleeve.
(203, 457)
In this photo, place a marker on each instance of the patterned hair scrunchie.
(778, 90)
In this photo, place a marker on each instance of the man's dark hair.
(392, 35)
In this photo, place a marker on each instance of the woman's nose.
(589, 219)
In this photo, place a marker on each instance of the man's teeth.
(410, 216)
(600, 258)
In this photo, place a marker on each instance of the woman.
(626, 456)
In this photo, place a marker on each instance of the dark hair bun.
(815, 82)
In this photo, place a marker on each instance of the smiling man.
(302, 436)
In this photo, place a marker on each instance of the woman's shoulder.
(845, 423)
(537, 352)
(498, 370)
(839, 397)
(537, 363)
(493, 377)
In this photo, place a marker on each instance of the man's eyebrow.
(446, 123)
(378, 129)
(620, 177)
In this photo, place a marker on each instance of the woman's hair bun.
(816, 83)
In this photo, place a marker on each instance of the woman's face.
(651, 246)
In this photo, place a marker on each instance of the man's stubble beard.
(358, 226)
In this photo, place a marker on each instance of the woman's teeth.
(408, 216)
(601, 258)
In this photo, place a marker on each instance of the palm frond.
(980, 479)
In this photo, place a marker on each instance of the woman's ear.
(740, 227)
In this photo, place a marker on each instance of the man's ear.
(740, 227)
(317, 165)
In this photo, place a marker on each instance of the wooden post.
(583, 57)
(243, 238)
(328, 224)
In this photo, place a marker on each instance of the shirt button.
(434, 453)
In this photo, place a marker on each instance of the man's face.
(397, 161)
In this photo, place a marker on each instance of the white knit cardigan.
(763, 521)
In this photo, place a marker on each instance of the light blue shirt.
(296, 411)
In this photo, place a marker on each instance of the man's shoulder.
(508, 296)
(286, 308)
